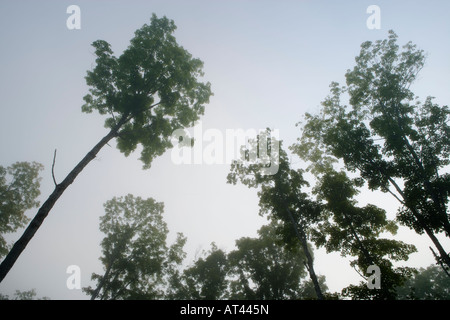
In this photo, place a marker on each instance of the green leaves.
(266, 269)
(394, 144)
(206, 279)
(153, 87)
(136, 258)
(428, 284)
(383, 136)
(354, 230)
(281, 197)
(383, 74)
(261, 268)
(374, 136)
(277, 192)
(19, 188)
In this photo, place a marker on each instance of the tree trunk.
(102, 282)
(362, 247)
(439, 202)
(309, 260)
(43, 211)
(444, 256)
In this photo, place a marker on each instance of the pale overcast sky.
(269, 62)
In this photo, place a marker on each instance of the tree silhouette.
(135, 257)
(19, 188)
(148, 92)
(395, 142)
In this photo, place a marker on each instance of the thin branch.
(130, 116)
(395, 196)
(151, 107)
(439, 261)
(154, 105)
(113, 297)
(53, 169)
(357, 271)
(112, 114)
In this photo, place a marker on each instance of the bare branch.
(439, 261)
(362, 276)
(131, 115)
(53, 169)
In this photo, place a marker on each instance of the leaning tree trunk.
(309, 259)
(43, 211)
(101, 283)
(445, 258)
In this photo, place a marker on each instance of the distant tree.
(137, 261)
(206, 279)
(428, 284)
(281, 197)
(396, 144)
(23, 295)
(19, 188)
(264, 268)
(148, 92)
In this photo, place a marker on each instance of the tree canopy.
(261, 268)
(136, 257)
(357, 231)
(19, 189)
(151, 90)
(205, 279)
(397, 143)
(429, 283)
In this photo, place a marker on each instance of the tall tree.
(19, 188)
(282, 198)
(148, 92)
(397, 143)
(136, 258)
(356, 231)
